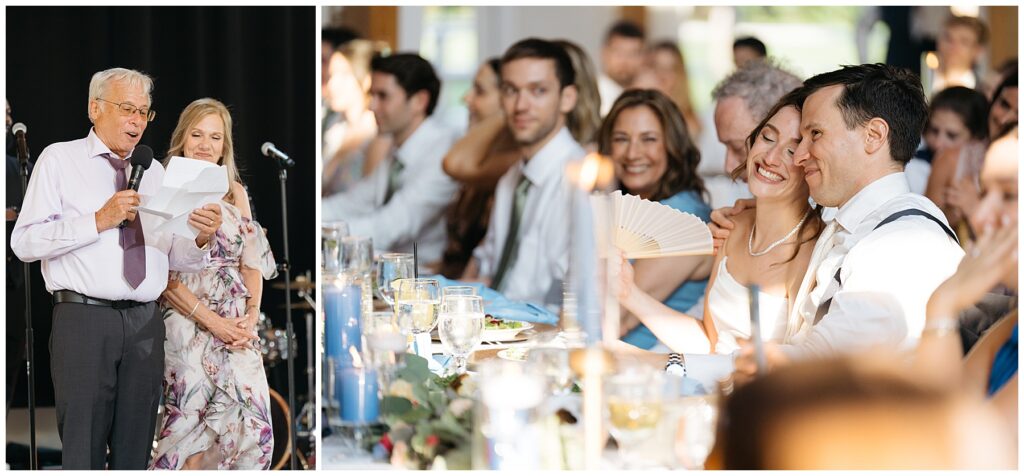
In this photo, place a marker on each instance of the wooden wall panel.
(1003, 34)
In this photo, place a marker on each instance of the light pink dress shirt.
(57, 225)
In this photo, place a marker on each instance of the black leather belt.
(73, 297)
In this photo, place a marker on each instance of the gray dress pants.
(107, 368)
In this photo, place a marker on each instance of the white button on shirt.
(416, 209)
(57, 225)
(543, 252)
(887, 274)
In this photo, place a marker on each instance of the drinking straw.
(415, 261)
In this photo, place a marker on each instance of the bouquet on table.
(429, 419)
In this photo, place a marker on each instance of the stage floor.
(46, 427)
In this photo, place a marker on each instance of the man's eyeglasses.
(128, 109)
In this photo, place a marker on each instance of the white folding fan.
(645, 229)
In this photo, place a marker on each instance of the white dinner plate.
(514, 353)
(505, 335)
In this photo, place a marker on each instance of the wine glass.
(330, 245)
(392, 267)
(460, 327)
(634, 410)
(416, 306)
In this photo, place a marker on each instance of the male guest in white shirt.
(526, 250)
(107, 342)
(884, 249)
(404, 199)
(622, 56)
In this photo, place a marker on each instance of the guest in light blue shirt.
(656, 159)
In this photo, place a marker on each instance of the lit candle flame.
(589, 171)
(593, 172)
(357, 362)
(965, 10)
(932, 60)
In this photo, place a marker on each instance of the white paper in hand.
(188, 184)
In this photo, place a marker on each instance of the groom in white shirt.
(884, 249)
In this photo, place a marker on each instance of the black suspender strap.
(918, 212)
(823, 308)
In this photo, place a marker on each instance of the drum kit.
(273, 344)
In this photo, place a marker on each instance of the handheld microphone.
(19, 131)
(141, 159)
(269, 150)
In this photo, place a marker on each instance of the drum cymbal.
(300, 305)
(300, 284)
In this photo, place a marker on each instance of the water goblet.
(355, 255)
(460, 326)
(330, 245)
(458, 291)
(416, 306)
(695, 432)
(390, 268)
(554, 364)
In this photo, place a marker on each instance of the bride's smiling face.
(771, 171)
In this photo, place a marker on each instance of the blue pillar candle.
(357, 391)
(343, 328)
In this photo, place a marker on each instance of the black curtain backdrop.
(260, 61)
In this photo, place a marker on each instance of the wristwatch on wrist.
(676, 365)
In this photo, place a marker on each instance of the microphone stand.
(289, 333)
(309, 408)
(30, 359)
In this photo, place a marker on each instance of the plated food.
(501, 330)
(514, 353)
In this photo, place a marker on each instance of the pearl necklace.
(750, 242)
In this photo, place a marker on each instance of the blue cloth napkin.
(501, 307)
(1004, 366)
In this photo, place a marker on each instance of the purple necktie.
(132, 240)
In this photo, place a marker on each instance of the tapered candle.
(755, 330)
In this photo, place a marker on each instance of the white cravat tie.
(803, 303)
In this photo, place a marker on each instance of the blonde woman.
(585, 119)
(351, 147)
(216, 401)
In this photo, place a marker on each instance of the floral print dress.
(216, 400)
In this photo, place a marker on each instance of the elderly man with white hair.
(107, 342)
(742, 99)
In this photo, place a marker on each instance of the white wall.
(500, 27)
